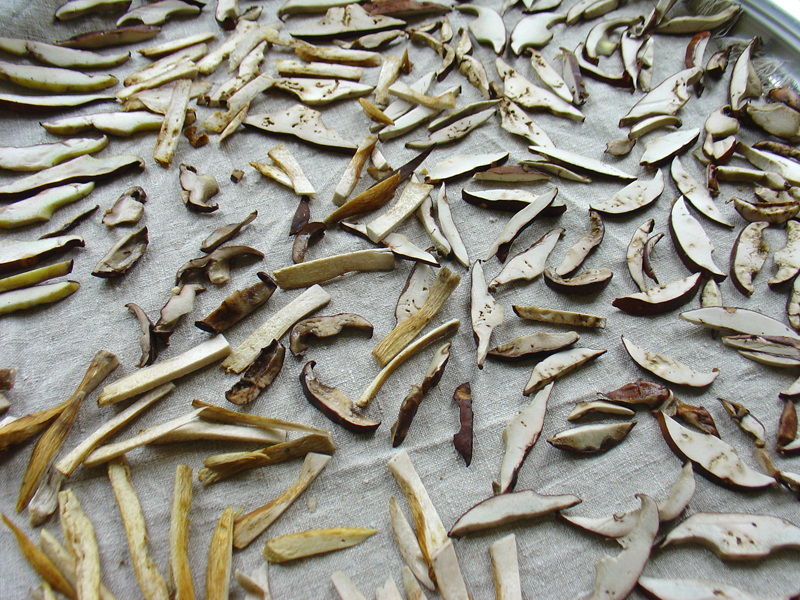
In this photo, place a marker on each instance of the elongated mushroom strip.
(519, 222)
(273, 172)
(333, 403)
(153, 376)
(220, 432)
(560, 317)
(406, 330)
(293, 546)
(148, 436)
(180, 303)
(323, 269)
(179, 572)
(323, 327)
(304, 123)
(40, 562)
(71, 223)
(173, 123)
(41, 207)
(80, 539)
(73, 9)
(447, 572)
(157, 13)
(407, 545)
(225, 233)
(26, 103)
(485, 312)
(222, 466)
(294, 68)
(410, 199)
(16, 255)
(183, 70)
(367, 201)
(120, 124)
(173, 46)
(67, 465)
(161, 66)
(34, 296)
(505, 568)
(344, 586)
(64, 561)
(52, 79)
(668, 368)
(557, 365)
(219, 414)
(150, 580)
(259, 375)
(409, 94)
(284, 159)
(34, 276)
(220, 556)
(419, 344)
(353, 171)
(334, 54)
(42, 156)
(217, 265)
(249, 526)
(130, 34)
(18, 430)
(463, 439)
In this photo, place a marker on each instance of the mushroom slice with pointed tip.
(560, 317)
(128, 208)
(651, 124)
(512, 200)
(259, 375)
(516, 121)
(319, 92)
(123, 255)
(408, 410)
(16, 255)
(198, 189)
(488, 27)
(771, 212)
(787, 425)
(217, 265)
(147, 342)
(668, 368)
(533, 344)
(53, 79)
(157, 13)
(601, 40)
(353, 171)
(304, 123)
(662, 299)
(121, 124)
(238, 305)
(464, 164)
(449, 230)
(639, 392)
(749, 254)
(634, 196)
(318, 271)
(787, 259)
(534, 31)
(738, 320)
(591, 439)
(347, 20)
(665, 99)
(745, 82)
(180, 304)
(518, 223)
(530, 263)
(696, 589)
(698, 23)
(113, 37)
(636, 253)
(598, 406)
(557, 365)
(696, 416)
(40, 208)
(408, 546)
(72, 9)
(583, 163)
(518, 89)
(486, 313)
(333, 403)
(583, 247)
(692, 243)
(284, 159)
(414, 293)
(585, 283)
(225, 233)
(323, 327)
(42, 156)
(519, 437)
(663, 148)
(453, 132)
(696, 193)
(27, 279)
(549, 76)
(35, 296)
(620, 147)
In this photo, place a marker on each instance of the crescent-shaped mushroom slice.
(634, 196)
(518, 223)
(22, 254)
(121, 124)
(157, 13)
(509, 508)
(323, 327)
(518, 89)
(530, 263)
(696, 193)
(453, 132)
(661, 299)
(582, 163)
(28, 104)
(746, 421)
(738, 320)
(42, 156)
(486, 313)
(668, 368)
(698, 589)
(319, 92)
(533, 344)
(333, 403)
(129, 34)
(748, 255)
(347, 20)
(488, 27)
(534, 31)
(41, 207)
(304, 123)
(53, 79)
(591, 439)
(698, 23)
(36, 295)
(692, 243)
(745, 82)
(581, 249)
(636, 252)
(736, 536)
(599, 407)
(663, 148)
(464, 164)
(667, 98)
(516, 121)
(557, 365)
(772, 212)
(72, 9)
(585, 283)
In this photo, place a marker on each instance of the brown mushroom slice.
(15, 255)
(27, 279)
(667, 98)
(745, 82)
(112, 37)
(557, 365)
(302, 122)
(198, 189)
(668, 368)
(259, 375)
(310, 232)
(518, 89)
(590, 281)
(238, 305)
(217, 265)
(598, 406)
(692, 243)
(73, 9)
(634, 196)
(323, 327)
(518, 223)
(463, 439)
(696, 193)
(29, 297)
(748, 255)
(485, 312)
(738, 320)
(181, 303)
(128, 208)
(148, 341)
(583, 247)
(333, 403)
(787, 425)
(40, 208)
(639, 392)
(42, 156)
(122, 255)
(78, 170)
(530, 263)
(662, 299)
(225, 233)
(560, 317)
(591, 439)
(697, 416)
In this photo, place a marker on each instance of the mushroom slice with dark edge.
(745, 82)
(453, 132)
(746, 421)
(692, 243)
(301, 216)
(35, 104)
(181, 303)
(123, 255)
(591, 439)
(259, 375)
(32, 277)
(157, 13)
(696, 193)
(697, 416)
(53, 79)
(527, 95)
(310, 232)
(698, 23)
(464, 164)
(735, 536)
(319, 92)
(636, 252)
(519, 437)
(34, 296)
(516, 121)
(634, 196)
(591, 281)
(73, 9)
(599, 406)
(18, 254)
(645, 126)
(128, 208)
(583, 247)
(225, 233)
(787, 425)
(347, 20)
(238, 305)
(485, 312)
(557, 365)
(40, 208)
(621, 147)
(580, 162)
(42, 156)
(640, 392)
(463, 439)
(511, 200)
(668, 368)
(534, 344)
(518, 223)
(449, 229)
(198, 190)
(666, 98)
(148, 341)
(696, 589)
(559, 317)
(129, 34)
(509, 508)
(217, 265)
(323, 327)
(748, 255)
(304, 123)
(121, 124)
(530, 263)
(771, 212)
(662, 299)
(414, 293)
(664, 147)
(333, 403)
(738, 320)
(78, 170)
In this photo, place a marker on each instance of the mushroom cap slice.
(738, 320)
(662, 299)
(535, 343)
(534, 31)
(634, 196)
(333, 403)
(662, 148)
(697, 589)
(696, 193)
(692, 243)
(19, 254)
(304, 123)
(748, 255)
(347, 20)
(488, 27)
(123, 255)
(591, 439)
(529, 263)
(557, 365)
(590, 281)
(668, 368)
(580, 162)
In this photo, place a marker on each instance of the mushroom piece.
(636, 253)
(128, 208)
(335, 54)
(695, 589)
(696, 193)
(304, 123)
(667, 98)
(694, 24)
(639, 392)
(583, 247)
(32, 277)
(585, 283)
(662, 299)
(516, 121)
(518, 89)
(293, 546)
(217, 265)
(696, 416)
(692, 243)
(668, 368)
(787, 259)
(463, 439)
(518, 223)
(534, 31)
(663, 148)
(323, 327)
(123, 255)
(158, 13)
(414, 293)
(73, 9)
(787, 425)
(738, 320)
(129, 34)
(560, 317)
(453, 132)
(148, 341)
(180, 304)
(591, 439)
(634, 196)
(771, 212)
(745, 82)
(557, 365)
(333, 403)
(486, 313)
(598, 406)
(259, 375)
(347, 20)
(198, 189)
(323, 269)
(570, 69)
(225, 233)
(748, 255)
(41, 207)
(449, 229)
(530, 263)
(580, 162)
(42, 156)
(319, 92)
(121, 124)
(34, 296)
(464, 164)
(54, 79)
(16, 255)
(238, 305)
(488, 27)
(651, 124)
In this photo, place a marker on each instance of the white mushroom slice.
(163, 65)
(598, 406)
(591, 439)
(414, 293)
(319, 92)
(560, 317)
(289, 68)
(344, 586)
(183, 70)
(549, 76)
(698, 23)
(511, 200)
(711, 294)
(738, 320)
(449, 229)
(425, 216)
(388, 591)
(249, 69)
(629, 47)
(304, 123)
(41, 207)
(29, 297)
(634, 196)
(408, 546)
(453, 132)
(599, 40)
(575, 13)
(535, 343)
(297, 7)
(787, 259)
(157, 13)
(399, 107)
(157, 100)
(255, 585)
(745, 82)
(350, 19)
(372, 41)
(692, 243)
(52, 79)
(474, 71)
(227, 13)
(530, 96)
(59, 56)
(122, 124)
(664, 147)
(772, 212)
(334, 54)
(488, 27)
(42, 156)
(518, 222)
(72, 9)
(444, 564)
(768, 179)
(197, 430)
(616, 577)
(635, 253)
(534, 31)
(486, 313)
(514, 120)
(769, 161)
(238, 104)
(410, 120)
(621, 147)
(666, 98)
(668, 368)
(508, 508)
(556, 170)
(660, 299)
(583, 163)
(748, 255)
(581, 249)
(410, 199)
(697, 589)
(441, 102)
(736, 536)
(352, 173)
(651, 124)
(696, 193)
(174, 46)
(463, 164)
(284, 159)
(776, 119)
(390, 70)
(557, 365)
(323, 269)
(210, 62)
(172, 126)
(530, 263)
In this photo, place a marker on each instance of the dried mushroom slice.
(668, 368)
(485, 312)
(42, 156)
(521, 91)
(667, 98)
(531, 345)
(695, 589)
(72, 9)
(304, 123)
(27, 279)
(696, 193)
(53, 79)
(464, 164)
(598, 406)
(583, 247)
(179, 304)
(148, 341)
(40, 208)
(738, 320)
(333, 403)
(347, 20)
(157, 13)
(121, 124)
(662, 299)
(323, 327)
(518, 223)
(259, 375)
(516, 121)
(225, 233)
(217, 265)
(29, 297)
(530, 263)
(787, 259)
(463, 439)
(557, 365)
(560, 317)
(665, 147)
(294, 546)
(745, 82)
(198, 189)
(748, 255)
(585, 283)
(128, 208)
(123, 255)
(414, 293)
(18, 254)
(323, 269)
(591, 439)
(238, 305)
(580, 162)
(692, 243)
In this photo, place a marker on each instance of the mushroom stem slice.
(408, 546)
(449, 578)
(318, 271)
(344, 586)
(293, 546)
(81, 540)
(53, 79)
(505, 568)
(412, 196)
(485, 312)
(353, 171)
(172, 126)
(560, 317)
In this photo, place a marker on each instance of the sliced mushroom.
(580, 162)
(449, 229)
(748, 255)
(453, 132)
(464, 164)
(598, 406)
(771, 212)
(333, 403)
(516, 121)
(42, 156)
(787, 259)
(73, 9)
(29, 297)
(694, 589)
(665, 147)
(518, 89)
(323, 327)
(668, 368)
(636, 253)
(634, 196)
(304, 123)
(259, 375)
(745, 82)
(16, 255)
(216, 265)
(738, 320)
(157, 13)
(40, 208)
(585, 283)
(583, 247)
(667, 98)
(486, 313)
(122, 124)
(198, 189)
(238, 305)
(29, 278)
(650, 394)
(518, 223)
(696, 193)
(530, 263)
(591, 439)
(534, 31)
(560, 317)
(414, 293)
(347, 20)
(694, 24)
(692, 243)
(180, 304)
(128, 208)
(662, 299)
(463, 439)
(53, 79)
(557, 365)
(148, 341)
(123, 255)
(488, 27)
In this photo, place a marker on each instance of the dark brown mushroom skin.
(259, 375)
(149, 340)
(463, 439)
(238, 305)
(648, 393)
(322, 327)
(696, 416)
(408, 410)
(22, 260)
(8, 376)
(787, 425)
(635, 306)
(225, 233)
(310, 232)
(217, 264)
(196, 137)
(301, 216)
(605, 445)
(333, 404)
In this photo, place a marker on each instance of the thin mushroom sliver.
(505, 568)
(560, 317)
(179, 572)
(407, 544)
(668, 368)
(294, 546)
(82, 542)
(43, 156)
(323, 269)
(220, 555)
(171, 128)
(557, 365)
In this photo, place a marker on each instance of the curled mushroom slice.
(180, 304)
(661, 299)
(668, 368)
(530, 263)
(259, 375)
(16, 255)
(40, 208)
(696, 193)
(697, 416)
(333, 403)
(771, 212)
(787, 259)
(225, 233)
(128, 208)
(557, 365)
(42, 156)
(123, 255)
(560, 317)
(534, 31)
(216, 265)
(323, 327)
(746, 421)
(585, 283)
(639, 392)
(738, 320)
(748, 255)
(198, 189)
(302, 122)
(591, 439)
(583, 247)
(488, 27)
(692, 243)
(29, 297)
(636, 253)
(463, 439)
(598, 406)
(148, 341)
(634, 196)
(666, 98)
(530, 96)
